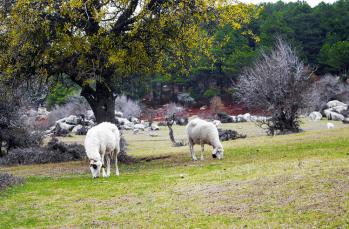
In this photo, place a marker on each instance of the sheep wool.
(102, 142)
(202, 132)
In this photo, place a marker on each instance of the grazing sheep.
(330, 125)
(102, 142)
(202, 132)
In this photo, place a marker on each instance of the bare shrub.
(8, 180)
(276, 83)
(177, 114)
(172, 109)
(327, 88)
(216, 105)
(128, 107)
(13, 132)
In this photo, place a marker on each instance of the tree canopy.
(97, 43)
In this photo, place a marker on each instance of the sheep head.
(95, 167)
(218, 153)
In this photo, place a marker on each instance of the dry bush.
(13, 132)
(54, 152)
(128, 107)
(276, 83)
(216, 105)
(173, 108)
(7, 180)
(176, 113)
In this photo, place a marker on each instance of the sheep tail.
(193, 123)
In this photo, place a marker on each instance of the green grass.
(297, 181)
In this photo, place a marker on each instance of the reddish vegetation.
(231, 109)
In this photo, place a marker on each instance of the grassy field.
(292, 181)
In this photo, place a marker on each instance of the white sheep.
(330, 125)
(202, 132)
(102, 142)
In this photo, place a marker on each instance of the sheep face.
(218, 153)
(95, 167)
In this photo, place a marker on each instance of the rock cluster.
(225, 118)
(335, 110)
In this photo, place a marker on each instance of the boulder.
(247, 117)
(339, 109)
(119, 114)
(126, 127)
(64, 126)
(226, 135)
(315, 116)
(139, 126)
(335, 103)
(123, 121)
(224, 118)
(134, 120)
(90, 115)
(73, 120)
(241, 118)
(346, 121)
(331, 115)
(154, 127)
(89, 123)
(78, 129)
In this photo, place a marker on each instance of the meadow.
(290, 181)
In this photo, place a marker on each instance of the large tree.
(96, 43)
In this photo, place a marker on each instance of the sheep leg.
(108, 165)
(117, 173)
(191, 147)
(202, 151)
(103, 164)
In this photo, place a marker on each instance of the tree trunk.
(102, 102)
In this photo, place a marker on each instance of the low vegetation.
(297, 180)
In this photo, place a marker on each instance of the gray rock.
(77, 128)
(90, 115)
(335, 103)
(72, 120)
(64, 126)
(123, 121)
(346, 121)
(119, 114)
(154, 127)
(331, 115)
(315, 116)
(139, 126)
(134, 120)
(339, 109)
